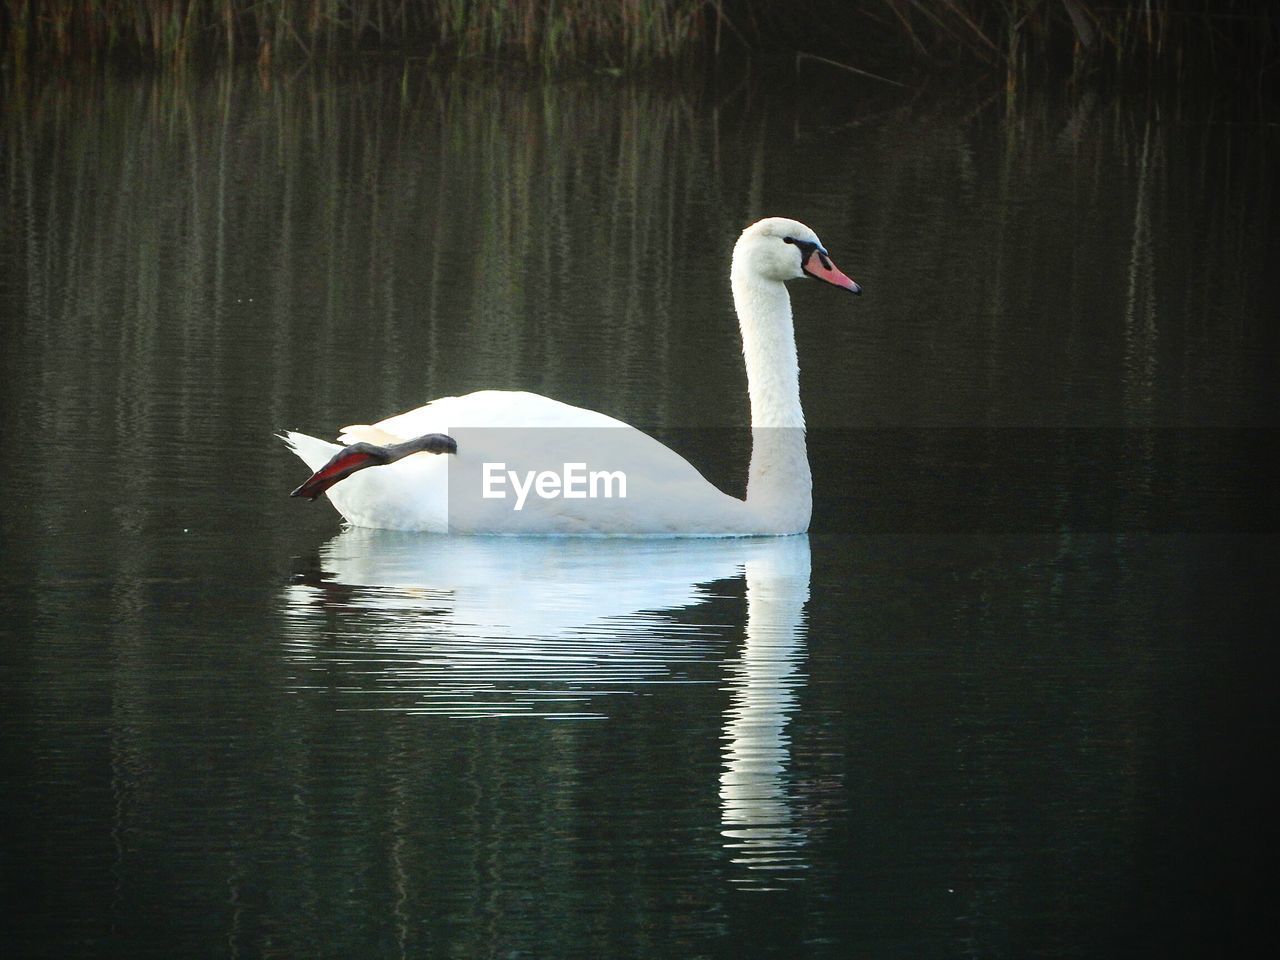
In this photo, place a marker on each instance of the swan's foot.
(360, 455)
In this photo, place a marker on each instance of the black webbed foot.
(360, 455)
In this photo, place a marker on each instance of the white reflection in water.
(489, 627)
(755, 797)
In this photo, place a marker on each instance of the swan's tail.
(314, 453)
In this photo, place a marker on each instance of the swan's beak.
(819, 266)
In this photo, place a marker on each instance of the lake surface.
(1011, 697)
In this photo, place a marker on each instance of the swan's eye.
(806, 248)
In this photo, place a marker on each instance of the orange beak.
(819, 266)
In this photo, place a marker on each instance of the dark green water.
(1012, 696)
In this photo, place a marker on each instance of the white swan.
(612, 479)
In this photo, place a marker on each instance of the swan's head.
(780, 249)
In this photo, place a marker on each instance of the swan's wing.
(666, 494)
(364, 433)
(491, 408)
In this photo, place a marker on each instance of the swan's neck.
(779, 486)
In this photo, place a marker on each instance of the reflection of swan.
(434, 589)
(754, 799)
(471, 627)
(664, 494)
(457, 604)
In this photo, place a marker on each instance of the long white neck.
(779, 484)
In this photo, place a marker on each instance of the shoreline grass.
(1021, 38)
(176, 34)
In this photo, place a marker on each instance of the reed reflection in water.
(193, 267)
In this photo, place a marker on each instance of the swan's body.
(525, 432)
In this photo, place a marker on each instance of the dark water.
(1012, 697)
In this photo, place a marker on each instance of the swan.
(470, 464)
